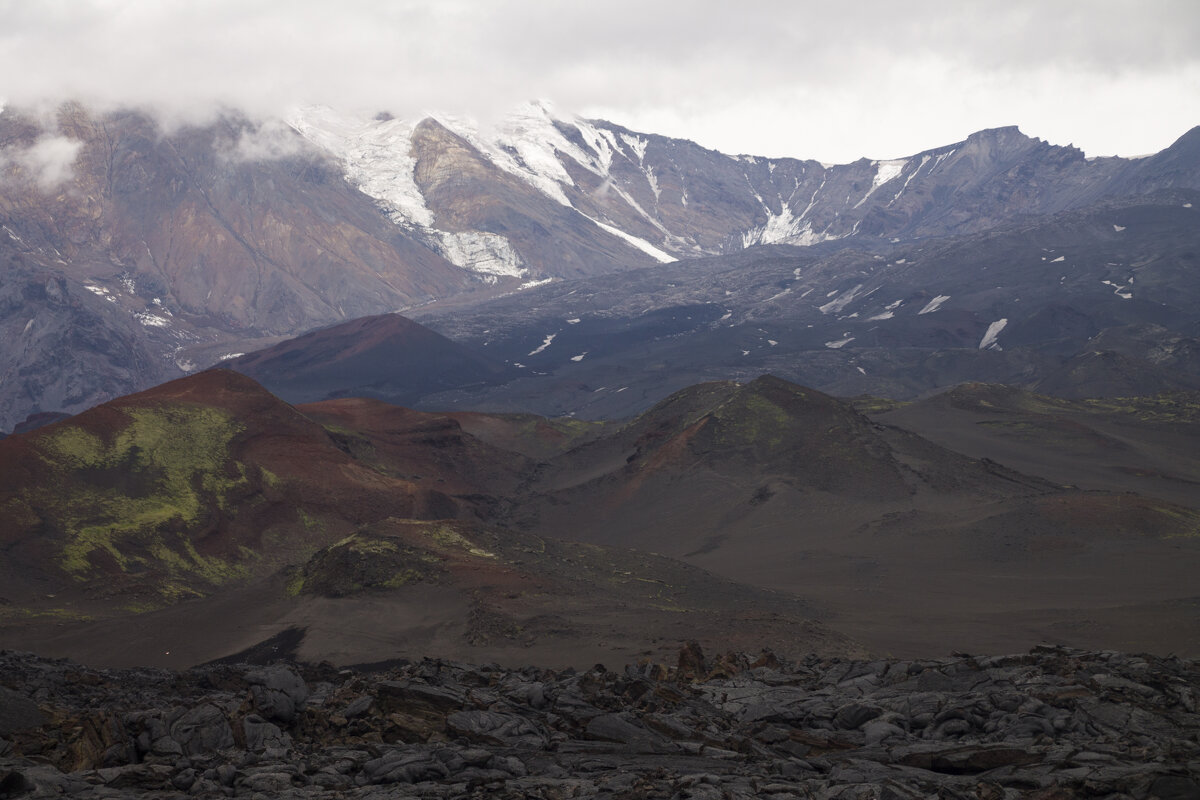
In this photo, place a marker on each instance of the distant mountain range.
(133, 254)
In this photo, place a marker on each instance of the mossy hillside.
(773, 427)
(1171, 407)
(444, 535)
(752, 420)
(871, 404)
(1182, 406)
(999, 398)
(130, 499)
(363, 562)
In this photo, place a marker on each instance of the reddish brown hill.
(385, 356)
(176, 490)
(430, 450)
(338, 518)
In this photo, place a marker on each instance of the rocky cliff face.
(128, 247)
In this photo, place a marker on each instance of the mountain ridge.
(202, 243)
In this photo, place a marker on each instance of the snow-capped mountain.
(134, 254)
(470, 193)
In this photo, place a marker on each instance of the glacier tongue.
(376, 155)
(487, 253)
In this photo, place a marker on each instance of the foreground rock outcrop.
(1053, 723)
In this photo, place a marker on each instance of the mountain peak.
(1188, 143)
(1006, 133)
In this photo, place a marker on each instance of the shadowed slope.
(909, 545)
(385, 356)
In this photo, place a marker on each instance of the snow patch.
(934, 304)
(640, 244)
(578, 357)
(228, 356)
(784, 227)
(1056, 260)
(653, 181)
(636, 144)
(574, 321)
(1123, 292)
(545, 343)
(836, 306)
(885, 171)
(989, 338)
(880, 317)
(840, 343)
(151, 320)
(1118, 228)
(913, 174)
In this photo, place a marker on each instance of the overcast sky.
(827, 80)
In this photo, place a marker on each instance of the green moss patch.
(129, 500)
(360, 563)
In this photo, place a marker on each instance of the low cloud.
(49, 162)
(775, 77)
(267, 141)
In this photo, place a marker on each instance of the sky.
(833, 81)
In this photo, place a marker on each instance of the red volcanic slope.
(386, 356)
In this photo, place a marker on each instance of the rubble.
(1052, 723)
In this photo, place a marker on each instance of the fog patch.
(272, 140)
(49, 162)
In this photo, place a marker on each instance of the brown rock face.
(468, 193)
(142, 243)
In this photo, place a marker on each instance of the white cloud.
(773, 77)
(266, 141)
(49, 161)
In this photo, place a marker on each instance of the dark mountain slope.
(907, 542)
(1013, 305)
(1143, 444)
(385, 356)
